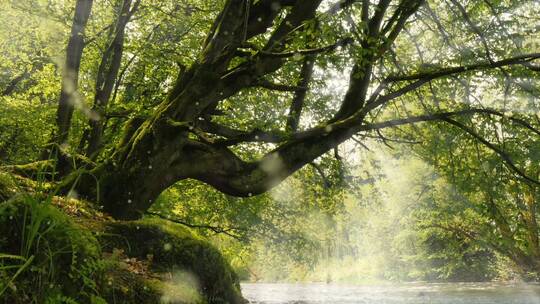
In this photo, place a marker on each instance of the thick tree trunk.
(161, 152)
(133, 177)
(124, 193)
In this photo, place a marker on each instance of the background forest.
(440, 185)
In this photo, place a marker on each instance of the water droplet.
(259, 19)
(250, 194)
(150, 167)
(129, 201)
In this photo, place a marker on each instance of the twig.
(215, 229)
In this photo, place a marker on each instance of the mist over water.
(408, 293)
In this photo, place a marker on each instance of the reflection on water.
(411, 293)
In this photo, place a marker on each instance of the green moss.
(32, 170)
(67, 263)
(120, 285)
(175, 250)
(64, 258)
(11, 184)
(7, 186)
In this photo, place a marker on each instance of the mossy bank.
(59, 250)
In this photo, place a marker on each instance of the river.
(409, 293)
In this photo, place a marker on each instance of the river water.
(410, 293)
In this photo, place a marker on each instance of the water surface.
(410, 293)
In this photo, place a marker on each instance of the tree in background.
(70, 79)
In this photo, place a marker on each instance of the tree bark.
(70, 79)
(107, 75)
(12, 85)
(295, 110)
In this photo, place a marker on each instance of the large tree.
(255, 54)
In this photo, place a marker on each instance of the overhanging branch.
(447, 116)
(277, 86)
(329, 48)
(235, 136)
(521, 59)
(504, 156)
(216, 229)
(422, 78)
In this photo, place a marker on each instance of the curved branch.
(505, 157)
(277, 86)
(442, 116)
(329, 48)
(235, 136)
(423, 78)
(520, 59)
(215, 229)
(229, 174)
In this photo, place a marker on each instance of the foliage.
(377, 230)
(59, 260)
